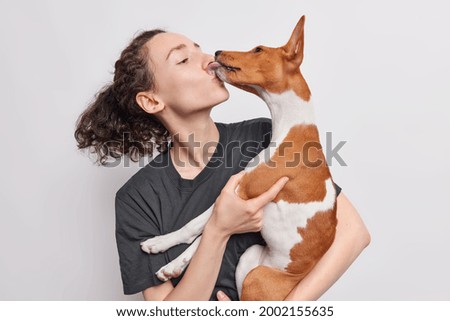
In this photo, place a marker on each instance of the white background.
(380, 76)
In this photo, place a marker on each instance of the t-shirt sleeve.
(265, 127)
(136, 223)
(252, 129)
(257, 129)
(338, 189)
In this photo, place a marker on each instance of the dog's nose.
(218, 52)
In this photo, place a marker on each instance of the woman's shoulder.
(249, 123)
(142, 182)
(249, 129)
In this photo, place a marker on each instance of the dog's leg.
(186, 234)
(177, 266)
(247, 262)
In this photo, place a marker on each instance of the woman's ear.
(149, 102)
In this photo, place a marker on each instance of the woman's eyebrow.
(179, 47)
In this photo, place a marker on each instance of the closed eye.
(183, 61)
(257, 49)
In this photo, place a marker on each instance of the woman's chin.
(227, 95)
(223, 96)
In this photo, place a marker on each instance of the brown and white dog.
(299, 225)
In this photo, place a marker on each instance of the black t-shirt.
(157, 200)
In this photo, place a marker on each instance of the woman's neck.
(193, 144)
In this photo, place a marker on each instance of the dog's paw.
(172, 270)
(156, 244)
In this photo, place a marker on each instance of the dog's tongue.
(213, 66)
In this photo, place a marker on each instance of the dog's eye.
(257, 49)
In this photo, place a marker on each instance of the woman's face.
(183, 82)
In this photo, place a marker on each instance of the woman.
(162, 91)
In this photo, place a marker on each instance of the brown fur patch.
(318, 235)
(300, 158)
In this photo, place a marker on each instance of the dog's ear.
(294, 47)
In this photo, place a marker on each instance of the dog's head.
(274, 70)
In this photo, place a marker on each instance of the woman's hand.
(233, 215)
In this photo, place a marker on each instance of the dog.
(299, 225)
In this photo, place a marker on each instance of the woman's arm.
(201, 274)
(351, 238)
(231, 215)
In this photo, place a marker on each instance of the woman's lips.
(212, 67)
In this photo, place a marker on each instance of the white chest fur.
(287, 110)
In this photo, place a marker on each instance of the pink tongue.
(213, 66)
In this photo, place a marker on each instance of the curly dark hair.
(114, 124)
